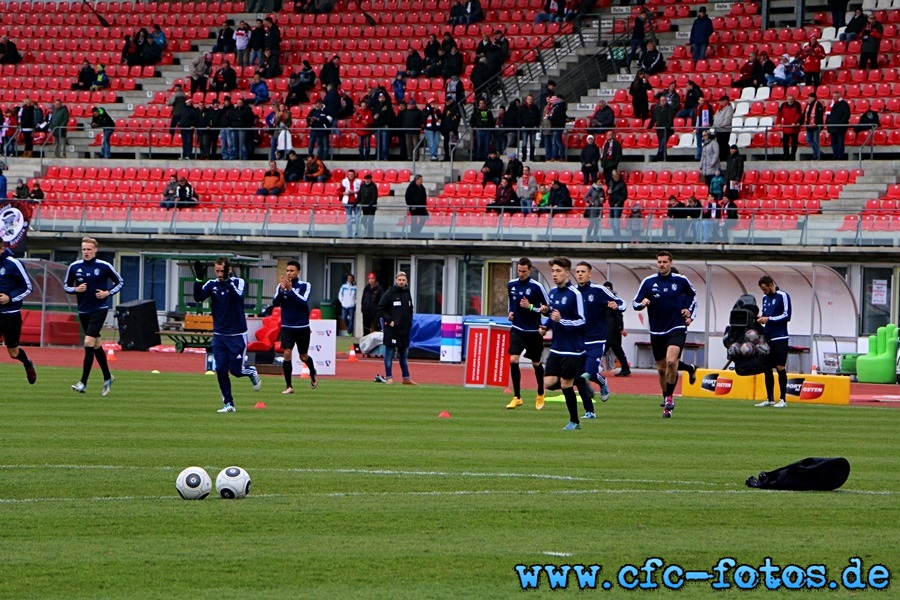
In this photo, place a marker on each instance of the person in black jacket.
(482, 121)
(294, 168)
(663, 118)
(395, 310)
(560, 200)
(330, 72)
(492, 169)
(101, 120)
(187, 124)
(618, 194)
(652, 61)
(836, 119)
(450, 124)
(615, 331)
(417, 201)
(367, 200)
(590, 159)
(529, 122)
(371, 297)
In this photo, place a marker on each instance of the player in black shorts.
(292, 295)
(15, 285)
(526, 296)
(89, 280)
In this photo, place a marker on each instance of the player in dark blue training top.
(526, 296)
(89, 280)
(776, 313)
(229, 343)
(597, 299)
(565, 315)
(671, 305)
(14, 286)
(292, 295)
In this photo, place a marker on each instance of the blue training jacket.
(96, 274)
(14, 282)
(294, 304)
(669, 295)
(568, 332)
(227, 304)
(777, 307)
(595, 299)
(525, 319)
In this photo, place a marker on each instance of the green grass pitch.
(361, 491)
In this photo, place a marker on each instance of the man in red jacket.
(790, 117)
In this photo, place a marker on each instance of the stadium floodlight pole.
(100, 17)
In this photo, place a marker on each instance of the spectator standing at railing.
(838, 12)
(639, 95)
(790, 118)
(8, 132)
(694, 215)
(201, 69)
(702, 118)
(330, 73)
(411, 123)
(28, 121)
(59, 127)
(675, 219)
(207, 134)
(500, 138)
(225, 38)
(227, 137)
(855, 26)
(712, 220)
(590, 161)
(417, 205)
(701, 31)
(177, 102)
(593, 212)
(812, 55)
(722, 121)
(610, 155)
(368, 205)
(257, 42)
(319, 123)
(617, 191)
(730, 211)
(813, 119)
(510, 124)
(837, 117)
(663, 119)
(242, 119)
(383, 121)
(558, 119)
(734, 172)
(868, 123)
(529, 121)
(482, 122)
(871, 40)
(242, 44)
(450, 125)
(638, 37)
(350, 186)
(101, 120)
(272, 40)
(187, 124)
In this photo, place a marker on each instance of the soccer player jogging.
(526, 297)
(89, 280)
(229, 343)
(14, 286)
(776, 313)
(565, 315)
(671, 305)
(597, 299)
(292, 295)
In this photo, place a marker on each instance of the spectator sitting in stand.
(541, 200)
(36, 192)
(414, 63)
(652, 61)
(316, 171)
(855, 26)
(22, 191)
(169, 193)
(506, 199)
(224, 79)
(602, 120)
(86, 77)
(268, 66)
(9, 54)
(260, 91)
(101, 79)
(560, 200)
(273, 182)
(751, 73)
(868, 123)
(184, 196)
(294, 168)
(553, 12)
(492, 169)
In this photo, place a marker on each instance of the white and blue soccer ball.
(193, 483)
(232, 483)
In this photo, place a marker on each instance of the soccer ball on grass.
(232, 483)
(193, 484)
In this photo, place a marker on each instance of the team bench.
(195, 332)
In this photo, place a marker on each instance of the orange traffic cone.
(444, 415)
(110, 355)
(507, 391)
(259, 405)
(352, 356)
(304, 372)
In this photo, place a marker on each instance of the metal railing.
(269, 218)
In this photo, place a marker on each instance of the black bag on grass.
(809, 474)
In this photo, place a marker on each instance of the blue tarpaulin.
(426, 333)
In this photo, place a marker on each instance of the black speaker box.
(138, 326)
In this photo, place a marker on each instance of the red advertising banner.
(498, 359)
(477, 355)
